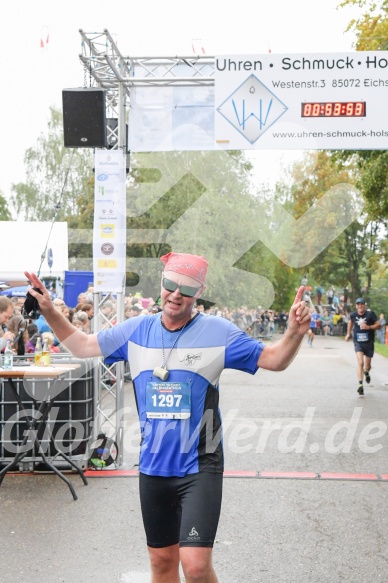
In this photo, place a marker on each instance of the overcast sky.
(34, 75)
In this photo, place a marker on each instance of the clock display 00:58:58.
(334, 109)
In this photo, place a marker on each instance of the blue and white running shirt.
(180, 418)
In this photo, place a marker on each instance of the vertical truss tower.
(105, 67)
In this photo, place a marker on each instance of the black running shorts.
(367, 348)
(181, 510)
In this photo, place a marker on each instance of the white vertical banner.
(109, 231)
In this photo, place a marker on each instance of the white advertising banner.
(165, 119)
(109, 231)
(302, 101)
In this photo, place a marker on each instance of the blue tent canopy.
(13, 292)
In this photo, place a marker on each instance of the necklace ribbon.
(161, 371)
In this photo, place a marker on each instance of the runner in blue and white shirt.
(176, 359)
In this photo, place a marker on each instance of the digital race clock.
(334, 109)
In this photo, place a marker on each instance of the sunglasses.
(187, 291)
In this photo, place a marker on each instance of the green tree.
(207, 208)
(347, 260)
(372, 181)
(188, 215)
(371, 31)
(81, 227)
(371, 28)
(378, 298)
(55, 176)
(5, 215)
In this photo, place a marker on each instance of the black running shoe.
(360, 390)
(367, 376)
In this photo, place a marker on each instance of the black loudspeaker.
(84, 118)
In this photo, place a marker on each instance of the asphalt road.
(322, 518)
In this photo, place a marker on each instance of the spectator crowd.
(330, 318)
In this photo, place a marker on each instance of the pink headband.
(194, 266)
